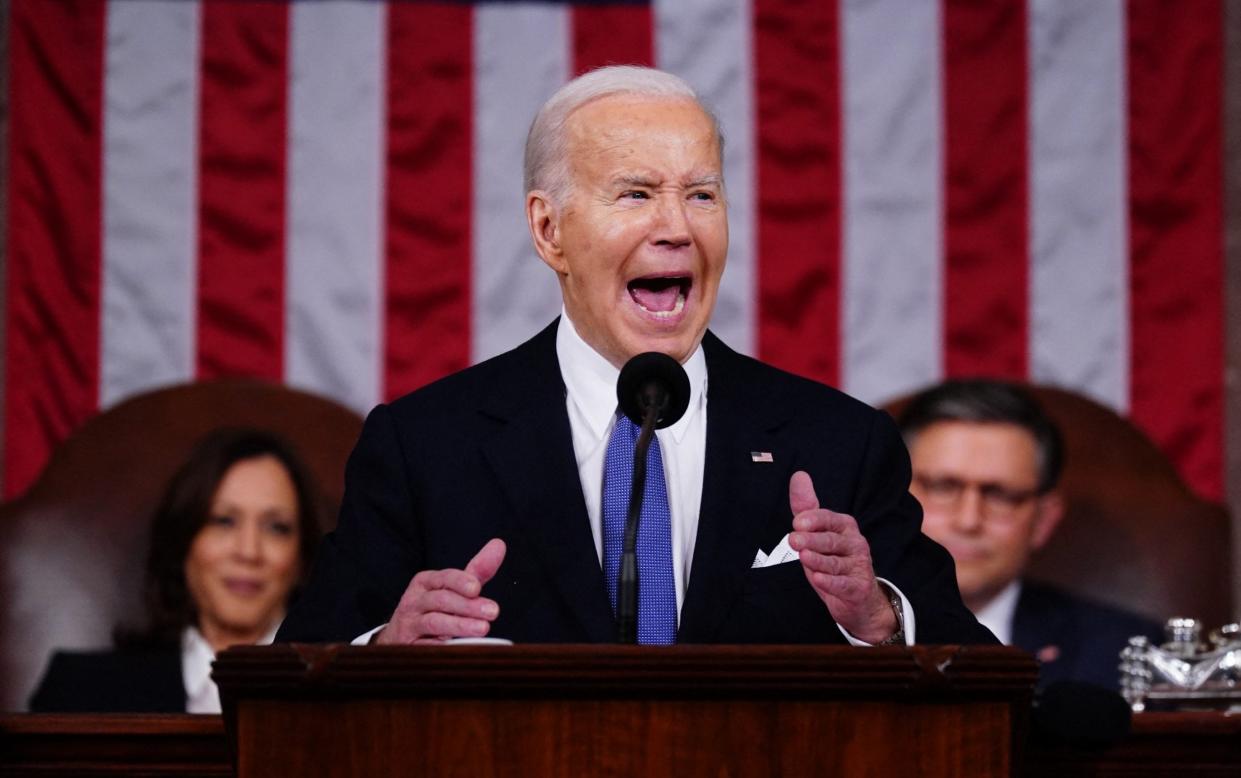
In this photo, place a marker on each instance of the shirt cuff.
(365, 637)
(907, 611)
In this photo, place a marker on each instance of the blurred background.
(327, 195)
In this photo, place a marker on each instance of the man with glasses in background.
(986, 464)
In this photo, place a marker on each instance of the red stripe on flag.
(243, 123)
(986, 303)
(611, 35)
(1176, 234)
(429, 194)
(54, 216)
(797, 72)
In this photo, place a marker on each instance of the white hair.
(546, 163)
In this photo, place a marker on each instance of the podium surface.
(624, 710)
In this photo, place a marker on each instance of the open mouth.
(662, 297)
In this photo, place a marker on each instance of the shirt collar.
(590, 380)
(193, 644)
(998, 614)
(201, 695)
(196, 658)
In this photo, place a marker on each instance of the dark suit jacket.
(112, 682)
(487, 452)
(1073, 638)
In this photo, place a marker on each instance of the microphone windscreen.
(653, 369)
(1082, 713)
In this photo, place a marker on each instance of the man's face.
(640, 241)
(977, 483)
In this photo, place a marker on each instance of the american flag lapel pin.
(761, 456)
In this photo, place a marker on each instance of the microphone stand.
(654, 398)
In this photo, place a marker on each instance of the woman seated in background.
(231, 540)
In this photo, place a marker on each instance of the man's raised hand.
(836, 559)
(442, 604)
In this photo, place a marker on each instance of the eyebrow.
(639, 180)
(711, 180)
(633, 181)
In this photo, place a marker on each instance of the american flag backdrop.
(328, 194)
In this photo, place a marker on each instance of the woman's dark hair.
(185, 508)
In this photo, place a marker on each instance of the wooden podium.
(543, 710)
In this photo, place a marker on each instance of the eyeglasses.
(999, 502)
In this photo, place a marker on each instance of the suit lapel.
(1039, 626)
(737, 492)
(533, 461)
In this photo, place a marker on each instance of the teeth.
(676, 309)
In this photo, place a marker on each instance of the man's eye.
(942, 488)
(705, 197)
(634, 194)
(1007, 498)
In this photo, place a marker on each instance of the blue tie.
(657, 599)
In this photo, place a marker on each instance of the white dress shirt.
(590, 383)
(201, 693)
(998, 614)
(590, 388)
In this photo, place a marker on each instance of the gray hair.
(546, 165)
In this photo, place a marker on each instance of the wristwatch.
(897, 638)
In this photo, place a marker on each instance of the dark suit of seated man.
(482, 504)
(986, 463)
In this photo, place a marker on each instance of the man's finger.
(834, 543)
(448, 601)
(459, 581)
(487, 561)
(823, 520)
(801, 493)
(823, 563)
(443, 625)
(834, 565)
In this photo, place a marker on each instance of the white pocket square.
(779, 555)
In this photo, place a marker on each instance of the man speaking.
(492, 502)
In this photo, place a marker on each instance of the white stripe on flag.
(521, 56)
(708, 43)
(334, 302)
(893, 189)
(1079, 304)
(150, 175)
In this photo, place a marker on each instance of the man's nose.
(968, 515)
(673, 226)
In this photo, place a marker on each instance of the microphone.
(653, 391)
(653, 381)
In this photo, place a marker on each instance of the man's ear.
(1050, 510)
(543, 219)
